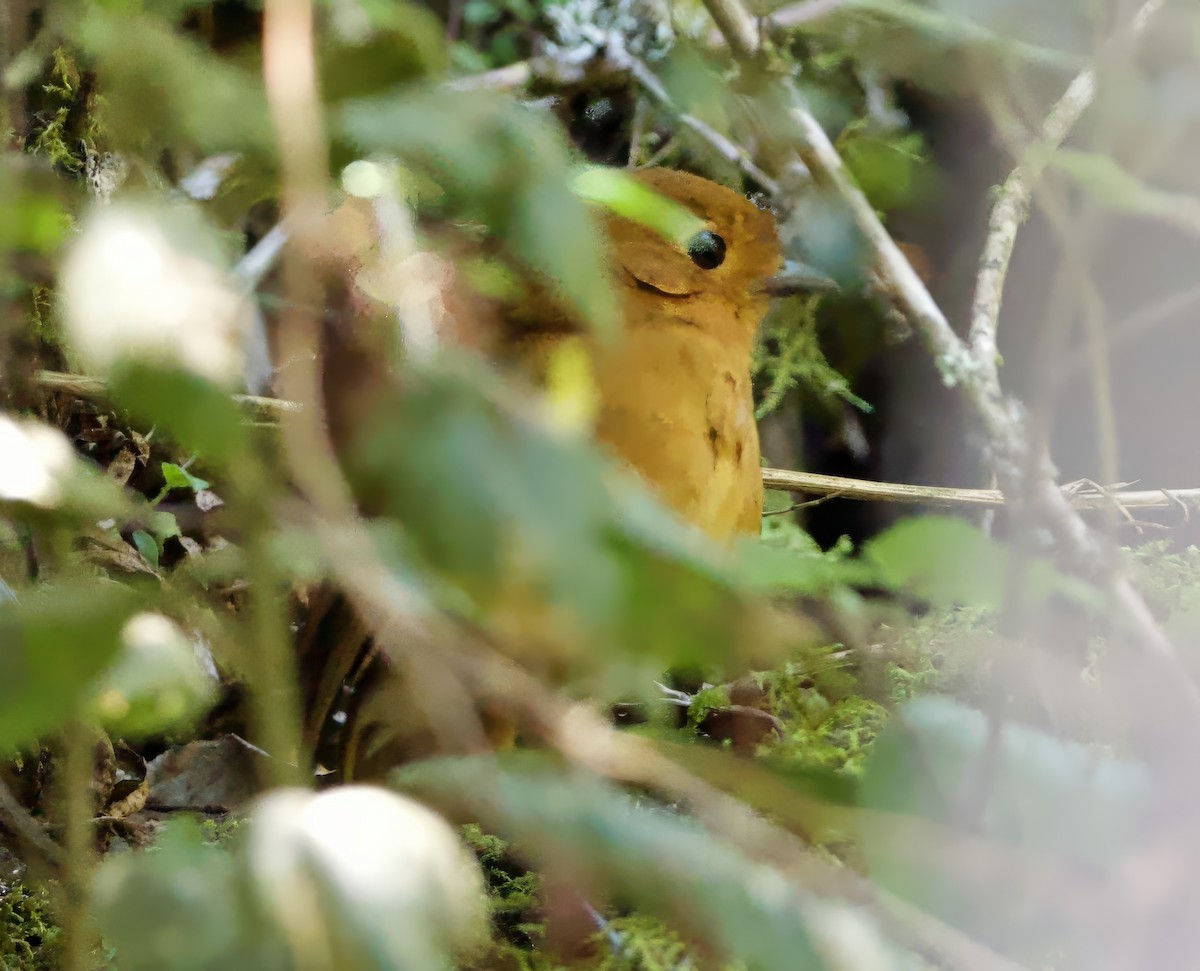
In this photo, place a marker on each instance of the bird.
(675, 399)
(673, 391)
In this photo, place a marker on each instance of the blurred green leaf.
(199, 416)
(795, 792)
(626, 196)
(177, 477)
(504, 165)
(182, 907)
(35, 218)
(575, 823)
(947, 561)
(155, 683)
(406, 42)
(1030, 814)
(1049, 793)
(159, 85)
(775, 568)
(493, 502)
(887, 166)
(53, 643)
(147, 546)
(1119, 189)
(479, 13)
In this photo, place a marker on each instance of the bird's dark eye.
(706, 249)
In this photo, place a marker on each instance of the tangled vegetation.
(323, 643)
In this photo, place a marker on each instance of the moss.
(67, 101)
(512, 891)
(1168, 578)
(790, 356)
(637, 941)
(826, 722)
(705, 701)
(29, 938)
(949, 651)
(222, 830)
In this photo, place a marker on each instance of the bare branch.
(1081, 495)
(727, 149)
(1022, 474)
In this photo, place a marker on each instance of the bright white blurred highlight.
(149, 631)
(395, 865)
(148, 284)
(36, 459)
(157, 681)
(364, 179)
(848, 940)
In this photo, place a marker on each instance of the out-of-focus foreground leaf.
(1055, 818)
(537, 528)
(198, 415)
(572, 823)
(948, 561)
(53, 642)
(503, 165)
(183, 907)
(157, 682)
(626, 196)
(225, 110)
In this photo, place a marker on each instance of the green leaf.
(155, 683)
(479, 13)
(887, 167)
(184, 891)
(35, 218)
(774, 568)
(53, 643)
(947, 561)
(1013, 811)
(500, 164)
(549, 517)
(407, 42)
(626, 196)
(147, 546)
(664, 863)
(177, 477)
(195, 95)
(199, 416)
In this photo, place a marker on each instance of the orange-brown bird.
(673, 392)
(675, 398)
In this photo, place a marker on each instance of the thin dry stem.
(1080, 495)
(724, 147)
(28, 832)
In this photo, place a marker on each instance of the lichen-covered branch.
(1026, 478)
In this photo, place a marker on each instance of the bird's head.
(713, 282)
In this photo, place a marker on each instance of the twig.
(262, 257)
(1012, 200)
(25, 828)
(294, 103)
(727, 149)
(807, 11)
(89, 386)
(1081, 494)
(499, 79)
(79, 852)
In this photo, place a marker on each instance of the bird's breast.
(676, 405)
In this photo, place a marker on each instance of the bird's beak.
(797, 277)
